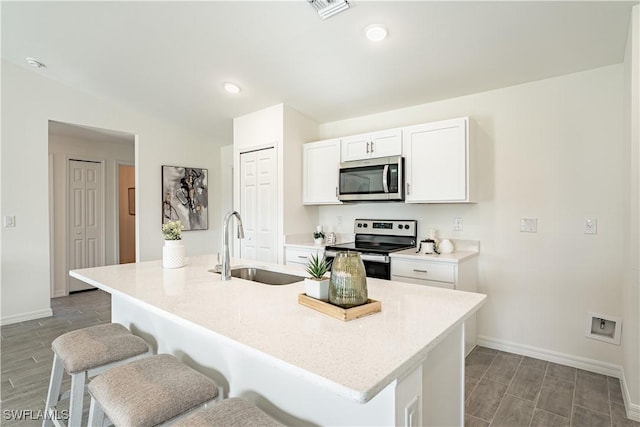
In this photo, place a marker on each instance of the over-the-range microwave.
(371, 179)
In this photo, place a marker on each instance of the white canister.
(427, 246)
(173, 254)
(446, 247)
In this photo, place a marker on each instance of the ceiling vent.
(328, 8)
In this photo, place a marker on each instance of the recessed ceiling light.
(231, 87)
(376, 32)
(34, 62)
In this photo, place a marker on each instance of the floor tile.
(527, 383)
(530, 362)
(557, 399)
(592, 392)
(566, 373)
(513, 412)
(503, 368)
(619, 417)
(583, 417)
(547, 419)
(485, 399)
(470, 383)
(477, 363)
(615, 391)
(470, 421)
(487, 350)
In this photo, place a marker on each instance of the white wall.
(553, 150)
(63, 149)
(631, 290)
(29, 101)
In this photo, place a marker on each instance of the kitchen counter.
(454, 258)
(264, 325)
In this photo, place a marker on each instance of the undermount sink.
(261, 275)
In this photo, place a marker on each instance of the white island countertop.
(355, 359)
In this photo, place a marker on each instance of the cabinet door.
(436, 163)
(320, 164)
(356, 147)
(386, 143)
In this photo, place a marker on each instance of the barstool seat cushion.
(95, 346)
(233, 412)
(150, 391)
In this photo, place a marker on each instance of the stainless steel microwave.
(371, 179)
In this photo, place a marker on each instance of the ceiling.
(169, 59)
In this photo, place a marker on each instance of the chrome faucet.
(225, 267)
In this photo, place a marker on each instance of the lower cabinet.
(297, 256)
(462, 276)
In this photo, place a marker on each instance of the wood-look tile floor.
(502, 389)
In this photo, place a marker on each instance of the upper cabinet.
(320, 163)
(438, 162)
(372, 145)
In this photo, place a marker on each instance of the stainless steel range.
(375, 240)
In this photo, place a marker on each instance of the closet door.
(258, 205)
(86, 218)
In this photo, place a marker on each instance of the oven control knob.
(406, 226)
(365, 225)
(359, 225)
(400, 226)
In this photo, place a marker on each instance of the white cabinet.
(298, 256)
(461, 276)
(320, 164)
(372, 145)
(438, 162)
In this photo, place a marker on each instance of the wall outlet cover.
(529, 225)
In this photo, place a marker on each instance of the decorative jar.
(173, 254)
(348, 285)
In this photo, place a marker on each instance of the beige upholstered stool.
(86, 353)
(148, 392)
(233, 412)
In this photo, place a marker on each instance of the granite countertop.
(355, 359)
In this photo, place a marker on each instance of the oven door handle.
(365, 257)
(385, 182)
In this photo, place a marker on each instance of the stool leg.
(54, 391)
(77, 394)
(96, 414)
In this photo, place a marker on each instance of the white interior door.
(86, 219)
(258, 207)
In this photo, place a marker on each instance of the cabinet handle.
(367, 147)
(302, 256)
(336, 191)
(408, 188)
(372, 146)
(420, 271)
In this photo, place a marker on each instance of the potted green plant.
(317, 286)
(318, 237)
(173, 250)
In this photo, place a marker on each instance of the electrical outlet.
(591, 226)
(457, 224)
(529, 225)
(9, 221)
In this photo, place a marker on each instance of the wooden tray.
(344, 314)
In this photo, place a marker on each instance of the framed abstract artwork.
(185, 196)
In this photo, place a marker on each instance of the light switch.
(9, 221)
(457, 224)
(591, 226)
(529, 225)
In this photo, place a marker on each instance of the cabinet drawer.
(423, 270)
(300, 256)
(446, 285)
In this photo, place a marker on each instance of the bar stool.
(149, 392)
(85, 353)
(233, 412)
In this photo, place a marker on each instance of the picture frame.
(185, 196)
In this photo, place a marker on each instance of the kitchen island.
(402, 366)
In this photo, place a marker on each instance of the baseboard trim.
(23, 317)
(591, 365)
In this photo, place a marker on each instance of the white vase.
(173, 254)
(318, 289)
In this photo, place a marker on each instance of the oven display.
(383, 225)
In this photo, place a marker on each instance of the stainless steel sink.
(261, 275)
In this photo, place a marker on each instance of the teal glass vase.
(348, 285)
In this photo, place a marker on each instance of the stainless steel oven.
(372, 179)
(375, 240)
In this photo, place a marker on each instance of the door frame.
(83, 158)
(117, 208)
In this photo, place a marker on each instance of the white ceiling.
(170, 59)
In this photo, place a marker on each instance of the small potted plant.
(317, 286)
(173, 250)
(318, 237)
